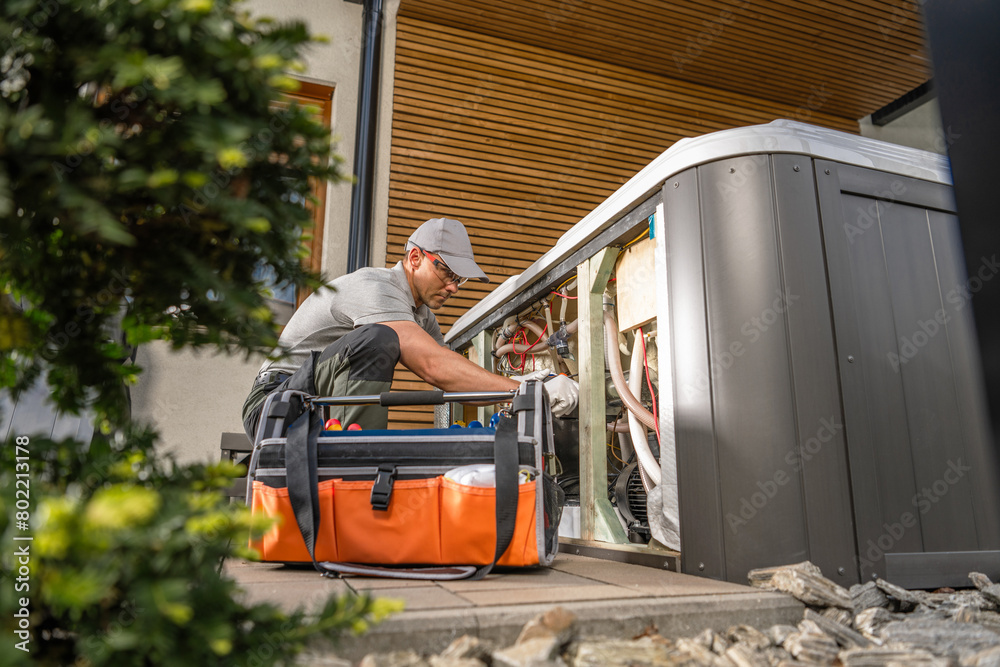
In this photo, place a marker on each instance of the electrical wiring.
(565, 296)
(523, 353)
(649, 383)
(637, 238)
(564, 283)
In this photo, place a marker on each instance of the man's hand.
(533, 375)
(564, 393)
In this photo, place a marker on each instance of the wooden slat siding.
(520, 142)
(862, 53)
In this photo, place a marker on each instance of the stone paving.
(608, 598)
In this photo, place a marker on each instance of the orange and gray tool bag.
(399, 502)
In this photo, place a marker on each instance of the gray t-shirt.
(366, 296)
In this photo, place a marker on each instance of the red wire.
(524, 355)
(565, 296)
(540, 336)
(649, 383)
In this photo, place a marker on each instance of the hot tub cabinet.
(820, 393)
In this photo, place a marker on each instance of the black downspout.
(359, 235)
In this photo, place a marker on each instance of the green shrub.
(125, 565)
(139, 161)
(145, 170)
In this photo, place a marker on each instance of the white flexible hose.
(647, 462)
(617, 377)
(649, 467)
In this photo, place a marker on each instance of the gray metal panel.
(703, 547)
(855, 394)
(944, 499)
(932, 570)
(893, 187)
(924, 478)
(819, 463)
(958, 287)
(750, 375)
(887, 419)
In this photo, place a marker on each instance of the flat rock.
(809, 587)
(867, 595)
(987, 619)
(701, 655)
(913, 598)
(990, 590)
(438, 661)
(811, 644)
(987, 658)
(394, 659)
(742, 655)
(842, 634)
(871, 621)
(556, 622)
(778, 633)
(627, 653)
(882, 657)
(466, 647)
(537, 652)
(941, 637)
(761, 577)
(748, 636)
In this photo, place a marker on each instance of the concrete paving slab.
(418, 597)
(645, 579)
(546, 577)
(547, 595)
(294, 595)
(610, 599)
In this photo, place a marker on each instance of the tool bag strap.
(505, 459)
(302, 477)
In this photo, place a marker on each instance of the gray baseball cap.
(448, 239)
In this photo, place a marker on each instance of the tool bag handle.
(303, 493)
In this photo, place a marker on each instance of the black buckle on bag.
(382, 488)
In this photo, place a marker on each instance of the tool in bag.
(383, 502)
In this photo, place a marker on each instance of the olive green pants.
(361, 363)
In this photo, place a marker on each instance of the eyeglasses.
(449, 276)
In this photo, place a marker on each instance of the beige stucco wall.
(194, 397)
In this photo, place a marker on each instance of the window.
(286, 297)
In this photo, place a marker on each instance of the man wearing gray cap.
(347, 340)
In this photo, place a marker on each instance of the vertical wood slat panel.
(520, 142)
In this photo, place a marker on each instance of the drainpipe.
(359, 235)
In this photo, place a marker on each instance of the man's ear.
(413, 257)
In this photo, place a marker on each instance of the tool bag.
(378, 502)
